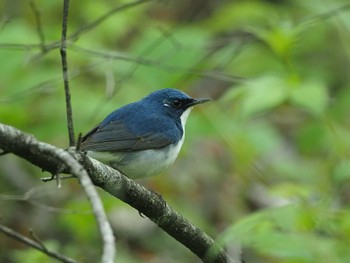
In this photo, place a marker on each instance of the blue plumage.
(142, 138)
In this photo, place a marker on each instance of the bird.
(143, 138)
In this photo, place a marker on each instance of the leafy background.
(265, 166)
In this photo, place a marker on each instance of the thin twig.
(32, 194)
(159, 64)
(74, 36)
(58, 180)
(47, 85)
(50, 178)
(129, 73)
(39, 27)
(63, 50)
(37, 239)
(13, 234)
(326, 15)
(77, 147)
(102, 18)
(4, 21)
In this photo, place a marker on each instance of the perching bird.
(143, 138)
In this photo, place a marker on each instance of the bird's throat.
(184, 118)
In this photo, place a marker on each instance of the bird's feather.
(115, 136)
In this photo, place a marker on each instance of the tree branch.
(63, 161)
(146, 202)
(11, 233)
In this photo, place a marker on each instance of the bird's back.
(133, 127)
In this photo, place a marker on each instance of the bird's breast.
(141, 164)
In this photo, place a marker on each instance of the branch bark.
(33, 150)
(146, 202)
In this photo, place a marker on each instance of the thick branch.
(63, 161)
(145, 201)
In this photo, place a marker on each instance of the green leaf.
(311, 95)
(342, 171)
(280, 38)
(263, 94)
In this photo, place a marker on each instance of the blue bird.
(143, 138)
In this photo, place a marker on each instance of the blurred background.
(265, 166)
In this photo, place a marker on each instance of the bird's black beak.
(197, 101)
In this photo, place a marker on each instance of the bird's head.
(172, 102)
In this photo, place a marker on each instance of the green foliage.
(294, 233)
(266, 163)
(268, 92)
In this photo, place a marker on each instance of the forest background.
(265, 166)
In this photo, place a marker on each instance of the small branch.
(146, 202)
(38, 25)
(63, 50)
(159, 64)
(13, 234)
(3, 22)
(102, 18)
(56, 44)
(37, 239)
(48, 179)
(58, 179)
(327, 15)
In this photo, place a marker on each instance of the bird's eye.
(177, 104)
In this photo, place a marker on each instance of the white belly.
(141, 163)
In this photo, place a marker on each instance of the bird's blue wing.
(115, 136)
